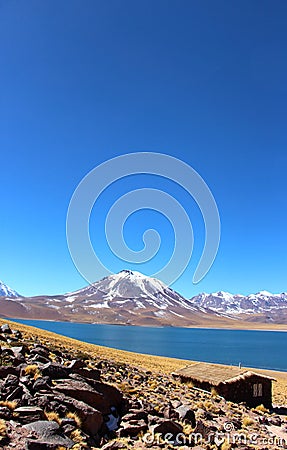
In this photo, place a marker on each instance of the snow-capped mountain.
(226, 303)
(127, 297)
(131, 298)
(6, 291)
(130, 290)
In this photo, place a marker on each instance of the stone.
(167, 427)
(27, 414)
(11, 381)
(76, 364)
(186, 414)
(49, 433)
(5, 413)
(91, 418)
(6, 329)
(17, 334)
(93, 374)
(55, 371)
(135, 414)
(15, 394)
(114, 445)
(132, 428)
(110, 393)
(80, 390)
(22, 350)
(42, 383)
(7, 370)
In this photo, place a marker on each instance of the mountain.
(6, 291)
(126, 298)
(131, 298)
(253, 307)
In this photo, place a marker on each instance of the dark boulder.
(186, 414)
(80, 390)
(55, 371)
(27, 414)
(49, 433)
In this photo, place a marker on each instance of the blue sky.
(82, 82)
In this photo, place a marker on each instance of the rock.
(22, 350)
(17, 334)
(80, 390)
(15, 394)
(40, 445)
(135, 414)
(49, 433)
(93, 374)
(11, 381)
(167, 427)
(7, 370)
(42, 383)
(67, 421)
(6, 329)
(111, 394)
(203, 429)
(39, 358)
(40, 350)
(27, 414)
(91, 418)
(132, 428)
(186, 414)
(76, 364)
(5, 413)
(114, 445)
(55, 371)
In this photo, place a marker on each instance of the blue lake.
(261, 349)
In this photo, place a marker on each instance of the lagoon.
(251, 348)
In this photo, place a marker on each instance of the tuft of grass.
(214, 392)
(79, 438)
(3, 429)
(33, 370)
(247, 421)
(226, 446)
(261, 408)
(53, 416)
(9, 404)
(75, 417)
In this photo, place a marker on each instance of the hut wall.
(244, 390)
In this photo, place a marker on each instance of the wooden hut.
(233, 383)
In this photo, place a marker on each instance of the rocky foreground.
(57, 398)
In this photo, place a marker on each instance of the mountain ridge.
(131, 298)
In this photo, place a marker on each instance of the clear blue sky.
(82, 82)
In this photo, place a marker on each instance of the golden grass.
(247, 421)
(33, 370)
(53, 417)
(148, 362)
(75, 417)
(9, 404)
(3, 429)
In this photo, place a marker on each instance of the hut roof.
(216, 374)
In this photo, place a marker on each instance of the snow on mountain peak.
(6, 291)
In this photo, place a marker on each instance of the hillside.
(148, 399)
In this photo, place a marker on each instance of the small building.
(233, 383)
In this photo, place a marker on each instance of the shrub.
(247, 421)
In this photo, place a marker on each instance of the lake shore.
(238, 325)
(159, 364)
